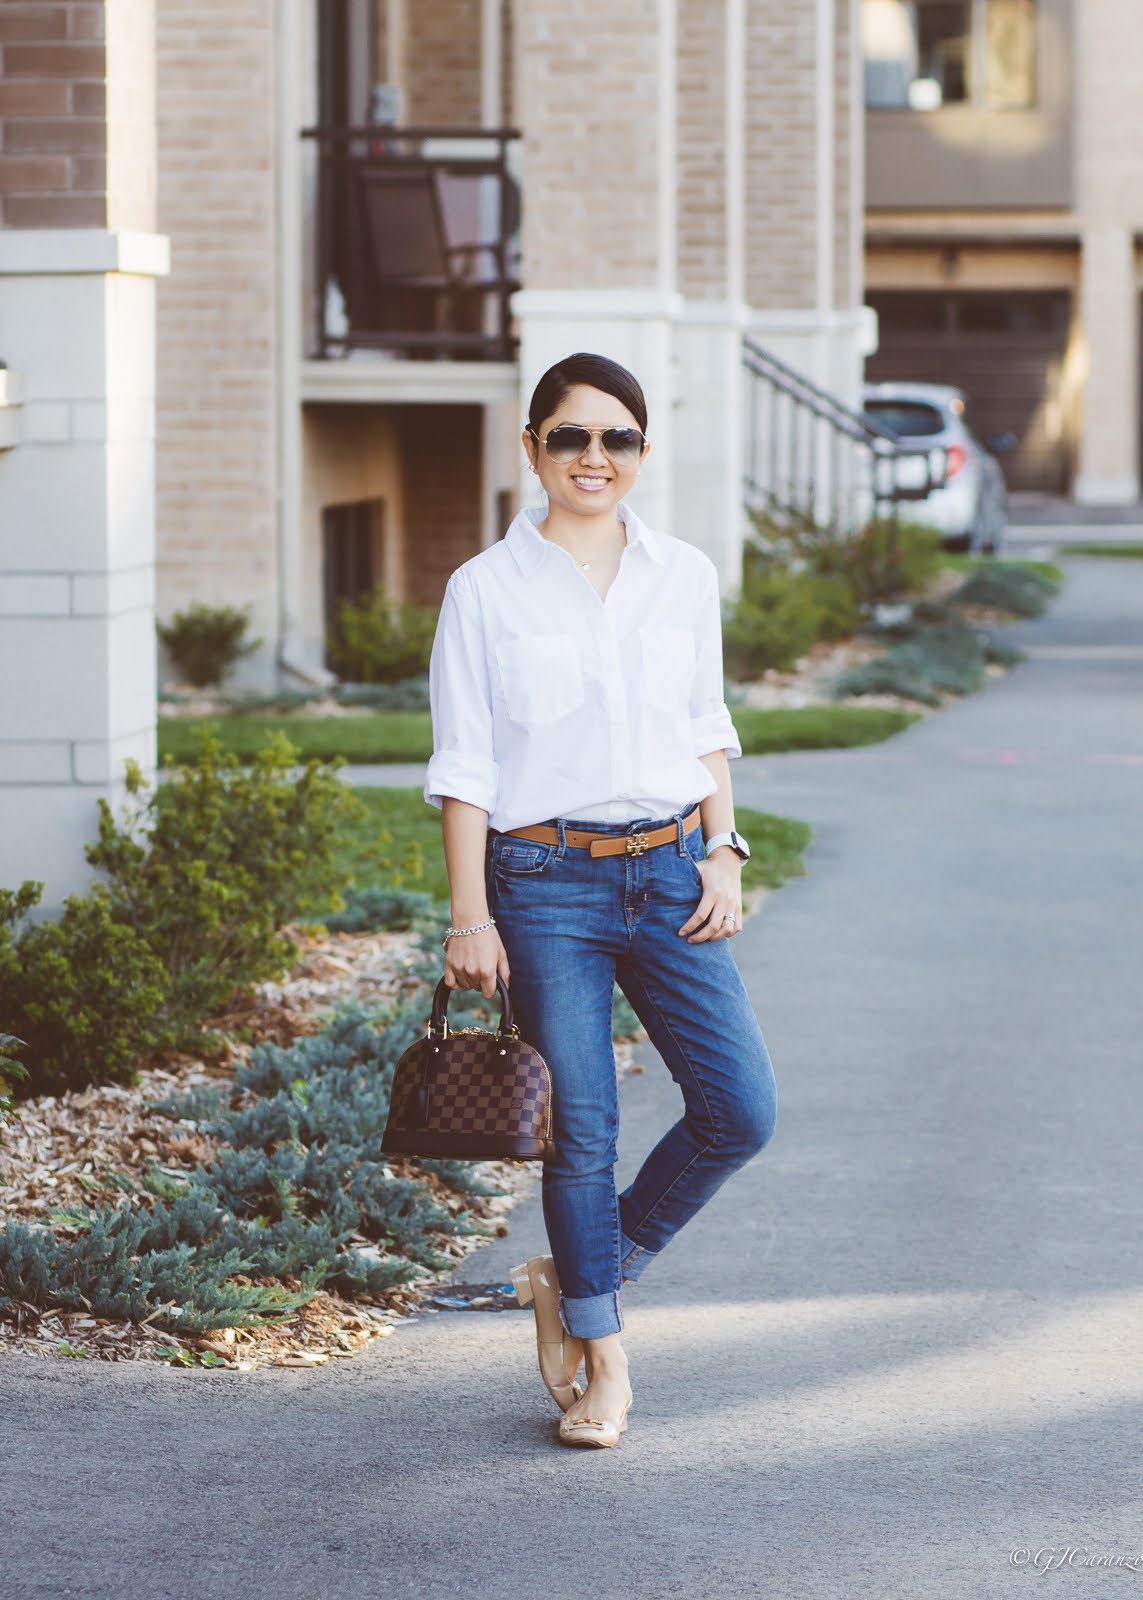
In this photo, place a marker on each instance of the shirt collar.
(530, 548)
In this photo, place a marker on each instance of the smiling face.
(593, 483)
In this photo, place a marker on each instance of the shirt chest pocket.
(668, 667)
(541, 676)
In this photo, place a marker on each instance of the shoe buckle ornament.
(636, 844)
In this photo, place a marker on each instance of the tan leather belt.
(606, 844)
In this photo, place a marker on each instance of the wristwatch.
(735, 840)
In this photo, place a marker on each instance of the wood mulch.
(92, 1146)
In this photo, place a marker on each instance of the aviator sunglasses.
(568, 442)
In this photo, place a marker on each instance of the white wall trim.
(57, 252)
(410, 382)
(621, 305)
(851, 320)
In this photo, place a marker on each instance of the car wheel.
(977, 541)
(998, 527)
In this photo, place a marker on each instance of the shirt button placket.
(615, 691)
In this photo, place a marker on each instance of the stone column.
(1109, 442)
(78, 262)
(711, 267)
(1108, 128)
(595, 98)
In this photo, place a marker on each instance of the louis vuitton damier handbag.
(471, 1094)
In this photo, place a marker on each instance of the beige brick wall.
(77, 147)
(781, 135)
(587, 101)
(443, 62)
(216, 328)
(441, 450)
(849, 184)
(702, 262)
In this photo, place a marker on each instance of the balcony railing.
(416, 242)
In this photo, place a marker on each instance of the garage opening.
(1005, 350)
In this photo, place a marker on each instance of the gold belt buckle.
(636, 844)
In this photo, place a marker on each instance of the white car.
(970, 510)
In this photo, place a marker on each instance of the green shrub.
(776, 618)
(204, 642)
(299, 1180)
(839, 607)
(12, 1070)
(382, 640)
(1008, 586)
(86, 993)
(373, 907)
(926, 662)
(882, 562)
(208, 866)
(407, 694)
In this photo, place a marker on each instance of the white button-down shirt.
(548, 701)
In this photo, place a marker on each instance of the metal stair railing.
(811, 459)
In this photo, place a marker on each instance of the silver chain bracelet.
(479, 928)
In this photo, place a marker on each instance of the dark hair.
(598, 372)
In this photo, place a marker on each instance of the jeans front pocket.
(520, 858)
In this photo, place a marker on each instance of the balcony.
(416, 244)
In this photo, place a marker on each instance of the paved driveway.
(904, 1343)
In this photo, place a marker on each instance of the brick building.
(697, 178)
(1005, 219)
(384, 219)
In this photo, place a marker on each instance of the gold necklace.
(586, 564)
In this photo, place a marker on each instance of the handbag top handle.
(438, 1022)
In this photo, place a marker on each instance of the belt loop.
(561, 847)
(682, 845)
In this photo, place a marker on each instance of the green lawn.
(387, 736)
(377, 736)
(414, 829)
(816, 727)
(1125, 552)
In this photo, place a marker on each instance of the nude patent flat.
(536, 1284)
(596, 1432)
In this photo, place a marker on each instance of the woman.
(580, 757)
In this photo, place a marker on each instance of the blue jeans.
(572, 925)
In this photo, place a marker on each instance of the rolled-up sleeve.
(711, 725)
(462, 764)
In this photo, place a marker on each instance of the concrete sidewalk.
(903, 1344)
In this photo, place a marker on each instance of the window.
(908, 418)
(924, 54)
(351, 545)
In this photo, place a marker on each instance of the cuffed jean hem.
(593, 1316)
(634, 1260)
